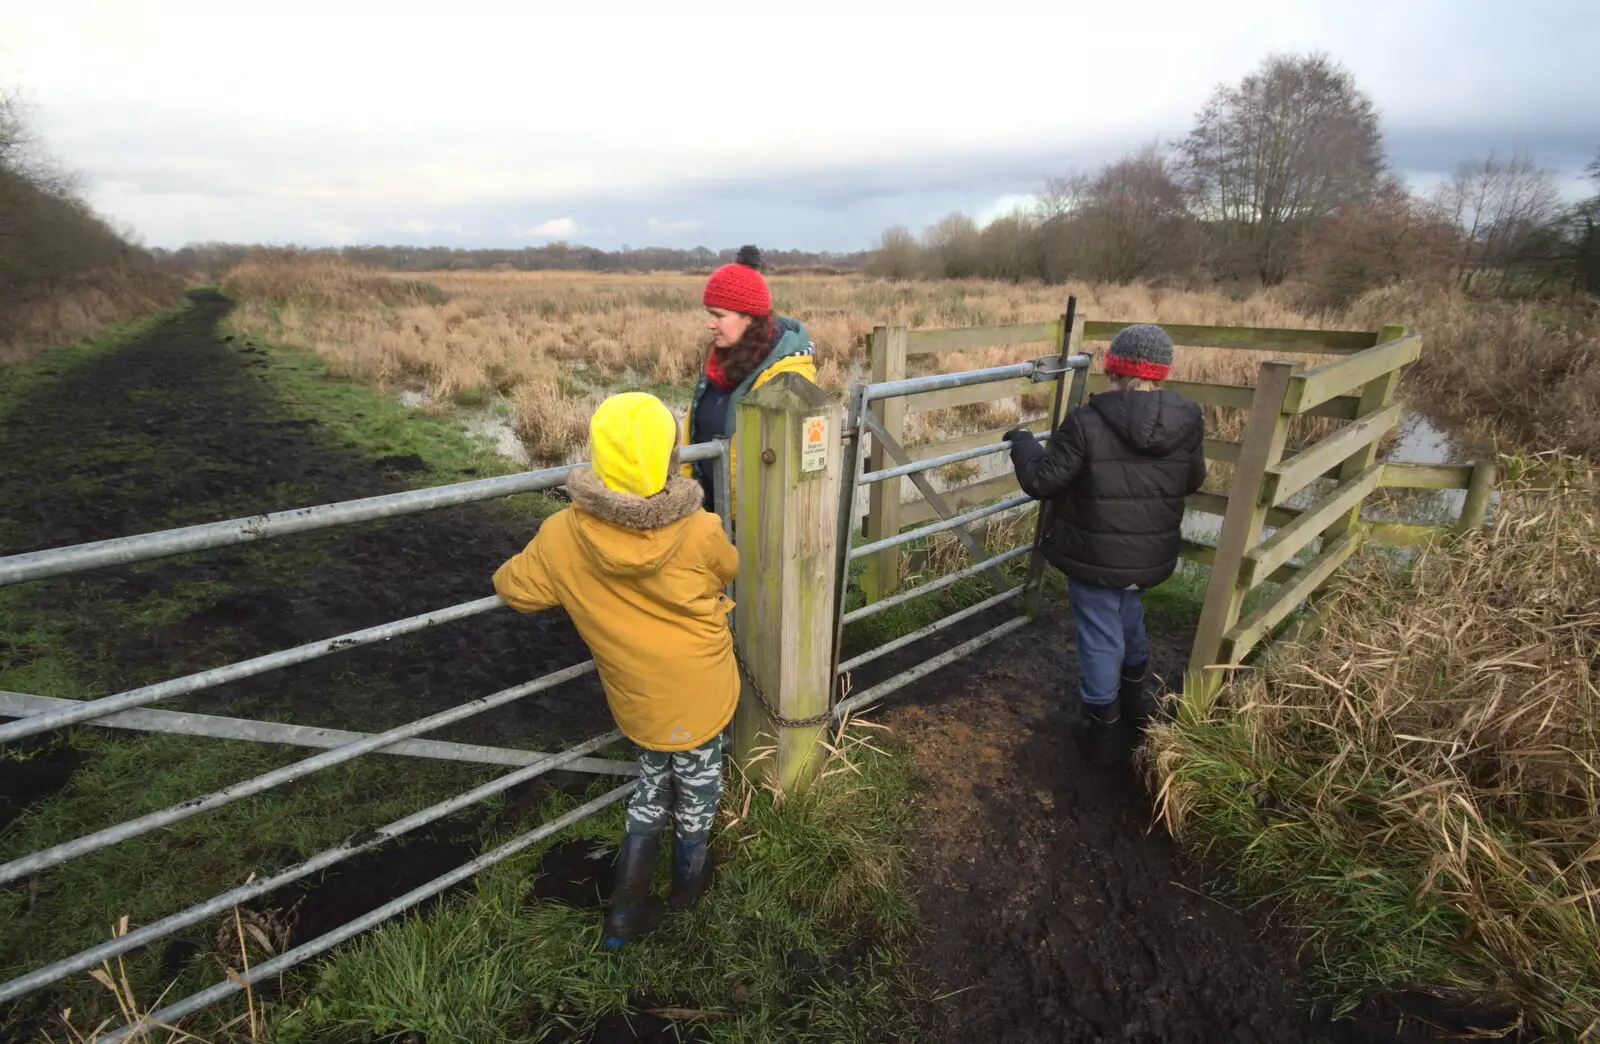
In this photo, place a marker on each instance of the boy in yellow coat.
(640, 567)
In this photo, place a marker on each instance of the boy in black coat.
(1115, 477)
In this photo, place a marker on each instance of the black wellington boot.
(634, 911)
(1138, 706)
(692, 865)
(1101, 725)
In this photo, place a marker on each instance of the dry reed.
(80, 307)
(1420, 777)
(554, 342)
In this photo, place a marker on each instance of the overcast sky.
(808, 125)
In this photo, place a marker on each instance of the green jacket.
(795, 352)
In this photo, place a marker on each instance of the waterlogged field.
(545, 347)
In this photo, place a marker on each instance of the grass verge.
(1417, 784)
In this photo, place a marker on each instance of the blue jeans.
(1110, 634)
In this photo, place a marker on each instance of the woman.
(749, 347)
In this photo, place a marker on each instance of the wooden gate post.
(882, 573)
(1480, 490)
(788, 449)
(1261, 449)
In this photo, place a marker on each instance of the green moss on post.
(787, 507)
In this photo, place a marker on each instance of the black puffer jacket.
(1114, 477)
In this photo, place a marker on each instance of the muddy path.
(181, 427)
(1058, 910)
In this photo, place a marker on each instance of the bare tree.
(1286, 148)
(952, 248)
(1505, 209)
(15, 137)
(898, 255)
(1396, 237)
(1133, 214)
(1008, 247)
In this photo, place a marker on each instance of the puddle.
(489, 424)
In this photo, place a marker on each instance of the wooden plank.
(1398, 474)
(914, 514)
(983, 438)
(925, 402)
(784, 619)
(1375, 395)
(881, 575)
(1248, 634)
(1405, 534)
(1261, 562)
(1241, 523)
(966, 338)
(1222, 449)
(1315, 387)
(1205, 554)
(1300, 470)
(1345, 407)
(1252, 338)
(1217, 504)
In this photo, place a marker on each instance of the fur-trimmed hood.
(628, 535)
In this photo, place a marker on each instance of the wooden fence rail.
(1357, 387)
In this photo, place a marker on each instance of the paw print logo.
(816, 429)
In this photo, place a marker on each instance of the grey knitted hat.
(1142, 350)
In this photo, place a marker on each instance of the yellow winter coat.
(642, 579)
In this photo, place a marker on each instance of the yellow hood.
(631, 440)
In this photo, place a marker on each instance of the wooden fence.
(1357, 388)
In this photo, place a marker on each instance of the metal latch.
(1050, 367)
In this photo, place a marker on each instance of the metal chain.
(783, 722)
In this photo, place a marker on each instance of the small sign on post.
(814, 444)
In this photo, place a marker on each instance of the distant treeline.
(1283, 177)
(212, 259)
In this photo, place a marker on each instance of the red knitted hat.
(738, 288)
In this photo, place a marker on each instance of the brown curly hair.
(740, 359)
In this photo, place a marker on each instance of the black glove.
(1016, 435)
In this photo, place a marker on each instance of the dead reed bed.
(79, 307)
(1524, 373)
(1418, 781)
(553, 343)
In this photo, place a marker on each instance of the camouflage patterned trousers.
(697, 776)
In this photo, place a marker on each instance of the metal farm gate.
(869, 404)
(37, 714)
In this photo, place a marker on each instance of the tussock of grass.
(820, 874)
(1418, 779)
